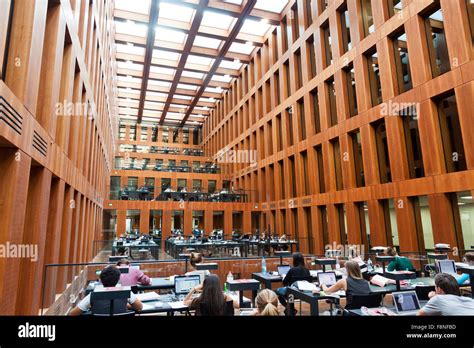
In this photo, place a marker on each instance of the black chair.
(110, 303)
(423, 291)
(228, 309)
(359, 301)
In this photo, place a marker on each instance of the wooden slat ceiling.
(175, 58)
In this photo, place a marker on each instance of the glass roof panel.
(176, 12)
(230, 65)
(241, 48)
(142, 6)
(193, 74)
(255, 27)
(199, 60)
(129, 65)
(271, 5)
(131, 49)
(170, 35)
(161, 54)
(131, 28)
(216, 20)
(206, 42)
(184, 86)
(220, 78)
(159, 70)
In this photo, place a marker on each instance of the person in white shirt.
(109, 277)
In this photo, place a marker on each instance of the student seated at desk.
(469, 259)
(354, 284)
(134, 275)
(401, 263)
(212, 301)
(109, 278)
(298, 271)
(194, 259)
(447, 299)
(267, 304)
(122, 252)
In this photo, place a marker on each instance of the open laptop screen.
(184, 284)
(283, 270)
(406, 301)
(446, 266)
(327, 278)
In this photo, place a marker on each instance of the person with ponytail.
(267, 304)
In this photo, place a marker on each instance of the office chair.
(422, 292)
(228, 309)
(359, 301)
(104, 303)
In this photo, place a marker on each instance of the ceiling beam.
(178, 48)
(171, 64)
(163, 89)
(205, 31)
(150, 43)
(247, 9)
(234, 10)
(199, 13)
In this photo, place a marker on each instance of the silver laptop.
(327, 278)
(406, 302)
(283, 270)
(447, 266)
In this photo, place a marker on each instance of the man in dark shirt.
(297, 272)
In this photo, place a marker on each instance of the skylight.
(206, 42)
(159, 83)
(160, 70)
(241, 48)
(255, 27)
(160, 54)
(170, 35)
(271, 5)
(216, 20)
(193, 74)
(142, 6)
(176, 12)
(199, 60)
(129, 65)
(131, 49)
(175, 19)
(184, 86)
(230, 65)
(131, 28)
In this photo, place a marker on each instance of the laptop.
(406, 302)
(327, 278)
(184, 284)
(447, 266)
(283, 270)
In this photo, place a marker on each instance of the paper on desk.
(304, 285)
(177, 305)
(148, 296)
(147, 307)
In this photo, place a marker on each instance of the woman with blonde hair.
(354, 284)
(267, 303)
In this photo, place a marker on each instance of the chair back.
(369, 301)
(228, 309)
(109, 303)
